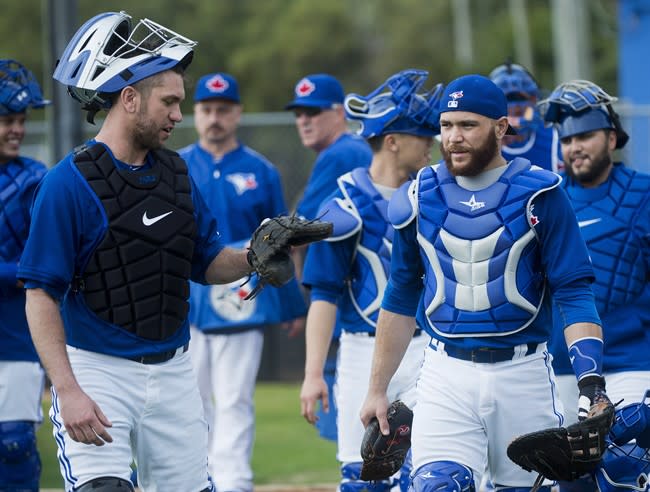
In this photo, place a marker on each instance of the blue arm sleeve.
(575, 303)
(402, 294)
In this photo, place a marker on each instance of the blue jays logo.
(242, 182)
(455, 96)
(228, 300)
(305, 87)
(217, 84)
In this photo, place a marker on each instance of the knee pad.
(350, 481)
(443, 476)
(20, 465)
(106, 484)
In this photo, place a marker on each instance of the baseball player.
(20, 371)
(612, 203)
(118, 229)
(320, 119)
(475, 263)
(242, 188)
(535, 142)
(347, 273)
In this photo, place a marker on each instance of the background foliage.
(268, 45)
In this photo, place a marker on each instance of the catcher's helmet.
(521, 91)
(18, 89)
(515, 81)
(396, 107)
(625, 466)
(106, 54)
(580, 106)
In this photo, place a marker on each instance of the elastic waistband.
(368, 334)
(486, 355)
(161, 357)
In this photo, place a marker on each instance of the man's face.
(414, 151)
(159, 111)
(12, 132)
(468, 142)
(316, 126)
(216, 120)
(587, 156)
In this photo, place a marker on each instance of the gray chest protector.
(138, 276)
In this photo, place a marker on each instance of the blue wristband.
(586, 355)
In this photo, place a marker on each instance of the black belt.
(160, 357)
(372, 334)
(486, 355)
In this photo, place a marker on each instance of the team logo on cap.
(455, 96)
(305, 87)
(217, 84)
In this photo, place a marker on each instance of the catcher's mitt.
(384, 455)
(566, 453)
(268, 252)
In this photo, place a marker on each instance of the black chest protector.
(138, 276)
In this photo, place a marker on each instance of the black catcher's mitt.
(566, 453)
(384, 455)
(268, 252)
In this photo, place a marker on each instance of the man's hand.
(313, 389)
(294, 327)
(375, 405)
(83, 419)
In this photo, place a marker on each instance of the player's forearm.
(318, 335)
(46, 329)
(229, 265)
(394, 333)
(581, 330)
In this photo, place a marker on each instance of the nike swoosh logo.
(151, 221)
(585, 223)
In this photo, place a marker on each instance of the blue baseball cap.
(217, 86)
(317, 91)
(475, 94)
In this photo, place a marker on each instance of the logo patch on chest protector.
(473, 204)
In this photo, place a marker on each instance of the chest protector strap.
(483, 259)
(371, 264)
(137, 277)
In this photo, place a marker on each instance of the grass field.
(287, 449)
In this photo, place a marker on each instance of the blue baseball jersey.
(345, 154)
(68, 223)
(241, 189)
(553, 225)
(614, 219)
(18, 181)
(542, 149)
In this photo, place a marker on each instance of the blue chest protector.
(364, 211)
(17, 178)
(480, 250)
(613, 220)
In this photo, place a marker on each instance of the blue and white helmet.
(521, 91)
(107, 53)
(580, 106)
(18, 89)
(396, 107)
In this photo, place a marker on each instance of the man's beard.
(599, 164)
(480, 157)
(146, 133)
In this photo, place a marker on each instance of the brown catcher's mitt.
(566, 453)
(268, 252)
(384, 455)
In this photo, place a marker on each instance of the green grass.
(287, 449)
